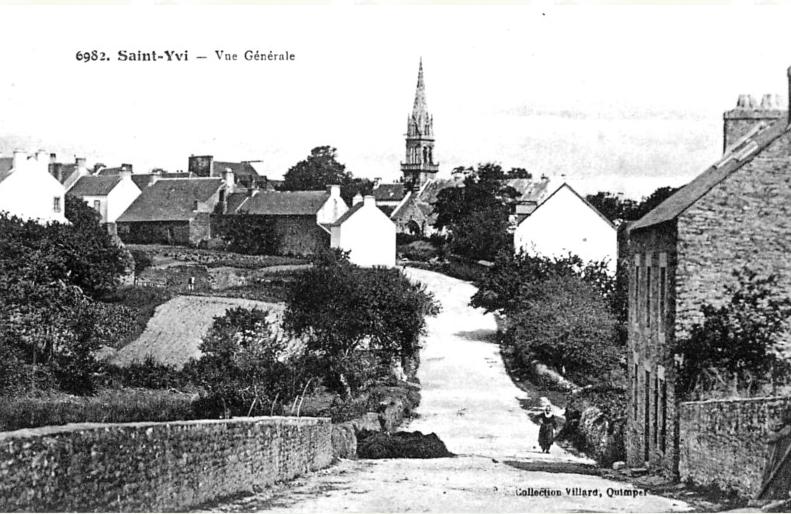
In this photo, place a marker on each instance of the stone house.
(29, 191)
(301, 219)
(175, 211)
(366, 233)
(564, 223)
(682, 254)
(109, 195)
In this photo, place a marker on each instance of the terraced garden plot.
(173, 335)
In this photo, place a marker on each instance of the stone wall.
(154, 466)
(743, 221)
(723, 442)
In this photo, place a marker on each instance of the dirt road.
(470, 402)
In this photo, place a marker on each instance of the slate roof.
(171, 199)
(95, 185)
(346, 215)
(740, 154)
(67, 172)
(141, 180)
(236, 200)
(389, 192)
(111, 171)
(6, 165)
(240, 169)
(530, 190)
(285, 203)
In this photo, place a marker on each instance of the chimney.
(125, 167)
(377, 181)
(357, 199)
(56, 168)
(369, 200)
(126, 172)
(81, 168)
(19, 159)
(748, 116)
(53, 158)
(334, 190)
(228, 178)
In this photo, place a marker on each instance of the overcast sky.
(623, 98)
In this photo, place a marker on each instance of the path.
(471, 403)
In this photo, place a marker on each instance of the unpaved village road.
(470, 402)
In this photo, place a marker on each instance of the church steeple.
(419, 165)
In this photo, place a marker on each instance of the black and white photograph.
(395, 256)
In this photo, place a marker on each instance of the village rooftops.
(142, 180)
(239, 169)
(738, 155)
(171, 199)
(95, 185)
(389, 192)
(285, 203)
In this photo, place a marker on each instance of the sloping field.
(174, 333)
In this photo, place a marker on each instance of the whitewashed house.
(28, 190)
(366, 232)
(109, 195)
(567, 223)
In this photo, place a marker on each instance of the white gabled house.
(366, 233)
(109, 195)
(29, 191)
(567, 223)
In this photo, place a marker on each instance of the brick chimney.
(228, 178)
(82, 169)
(748, 114)
(334, 190)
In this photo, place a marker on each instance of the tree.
(476, 215)
(736, 344)
(319, 170)
(242, 364)
(615, 207)
(355, 320)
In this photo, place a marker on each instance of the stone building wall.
(155, 232)
(154, 466)
(651, 372)
(743, 221)
(300, 235)
(723, 442)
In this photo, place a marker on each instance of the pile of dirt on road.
(400, 445)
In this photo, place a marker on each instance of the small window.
(97, 204)
(56, 204)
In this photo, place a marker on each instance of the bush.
(341, 309)
(418, 251)
(107, 406)
(250, 234)
(737, 345)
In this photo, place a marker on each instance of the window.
(97, 204)
(663, 397)
(648, 296)
(56, 204)
(662, 298)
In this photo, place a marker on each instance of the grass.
(107, 406)
(137, 303)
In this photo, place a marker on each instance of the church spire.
(419, 166)
(419, 109)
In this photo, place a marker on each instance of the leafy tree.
(615, 207)
(518, 173)
(736, 343)
(319, 170)
(564, 322)
(481, 234)
(347, 313)
(242, 365)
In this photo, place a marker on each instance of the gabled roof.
(582, 198)
(389, 192)
(95, 185)
(346, 215)
(112, 171)
(740, 154)
(67, 173)
(240, 169)
(141, 180)
(6, 165)
(529, 190)
(285, 203)
(236, 200)
(171, 199)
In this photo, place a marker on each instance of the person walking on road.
(546, 434)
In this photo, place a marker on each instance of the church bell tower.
(419, 166)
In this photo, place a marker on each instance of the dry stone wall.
(155, 466)
(723, 442)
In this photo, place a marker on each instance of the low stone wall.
(154, 466)
(723, 442)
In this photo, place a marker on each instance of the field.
(174, 333)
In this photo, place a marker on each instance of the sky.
(616, 97)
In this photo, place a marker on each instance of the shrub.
(340, 309)
(736, 345)
(418, 251)
(250, 234)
